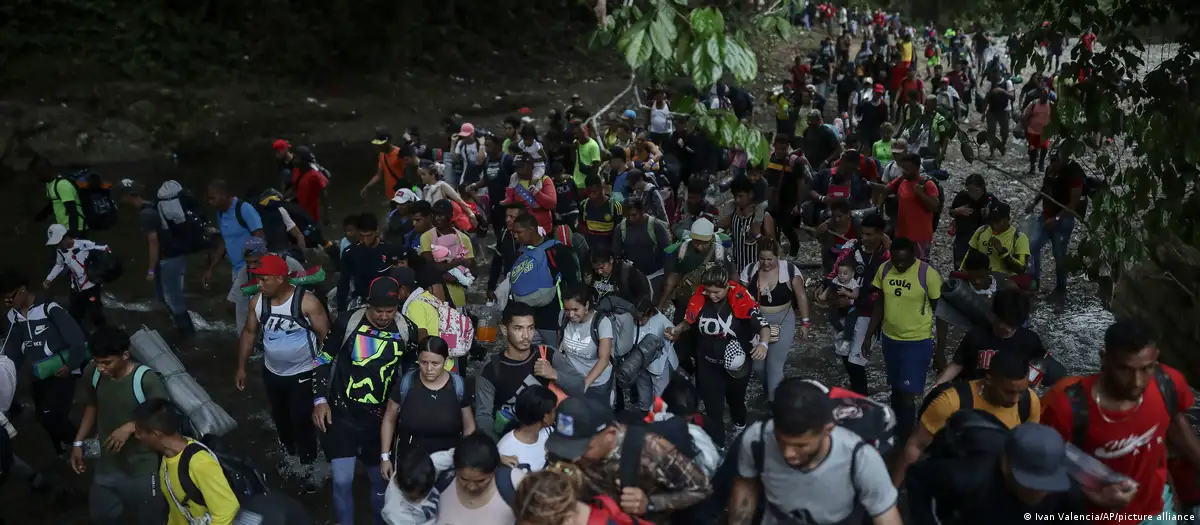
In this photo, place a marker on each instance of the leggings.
(770, 370)
(52, 399)
(343, 491)
(717, 388)
(87, 302)
(290, 398)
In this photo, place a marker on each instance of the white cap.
(405, 196)
(702, 230)
(55, 234)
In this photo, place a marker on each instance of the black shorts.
(354, 433)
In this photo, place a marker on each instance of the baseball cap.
(280, 145)
(998, 210)
(735, 359)
(466, 130)
(404, 276)
(254, 246)
(125, 187)
(702, 230)
(405, 196)
(629, 113)
(899, 146)
(382, 136)
(271, 264)
(879, 88)
(384, 293)
(577, 421)
(55, 234)
(1037, 457)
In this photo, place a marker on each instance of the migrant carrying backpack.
(969, 433)
(532, 276)
(406, 384)
(95, 198)
(923, 270)
(966, 398)
(1080, 404)
(102, 266)
(246, 480)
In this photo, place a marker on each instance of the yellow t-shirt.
(1017, 244)
(423, 314)
(947, 403)
(207, 475)
(907, 313)
(906, 52)
(458, 294)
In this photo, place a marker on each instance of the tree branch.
(632, 78)
(1013, 177)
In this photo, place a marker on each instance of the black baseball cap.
(382, 136)
(404, 276)
(384, 293)
(577, 421)
(997, 211)
(1037, 457)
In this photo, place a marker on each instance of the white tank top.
(660, 120)
(288, 345)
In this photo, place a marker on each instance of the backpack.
(922, 278)
(650, 222)
(297, 314)
(504, 484)
(406, 383)
(937, 215)
(620, 313)
(95, 198)
(606, 511)
(403, 326)
(138, 373)
(969, 433)
(275, 232)
(246, 480)
(758, 454)
(966, 398)
(195, 234)
(102, 266)
(1081, 405)
(532, 275)
(454, 327)
(870, 420)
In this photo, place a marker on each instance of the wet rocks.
(1162, 294)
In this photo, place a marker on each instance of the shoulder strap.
(95, 378)
(631, 455)
(966, 398)
(190, 491)
(758, 449)
(459, 386)
(406, 382)
(1024, 406)
(937, 391)
(651, 221)
(264, 308)
(237, 214)
(1080, 405)
(1166, 387)
(139, 392)
(504, 484)
(887, 268)
(854, 469)
(352, 323)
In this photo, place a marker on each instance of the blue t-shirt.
(234, 234)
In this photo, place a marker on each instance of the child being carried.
(847, 286)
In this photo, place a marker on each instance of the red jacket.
(740, 300)
(543, 204)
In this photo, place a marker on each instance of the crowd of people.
(644, 275)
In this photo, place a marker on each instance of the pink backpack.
(453, 326)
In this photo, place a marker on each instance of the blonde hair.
(548, 497)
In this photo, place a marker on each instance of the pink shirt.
(1037, 115)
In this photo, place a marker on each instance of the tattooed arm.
(743, 500)
(681, 483)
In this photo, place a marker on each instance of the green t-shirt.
(882, 151)
(59, 191)
(589, 153)
(114, 400)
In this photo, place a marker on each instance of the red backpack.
(605, 511)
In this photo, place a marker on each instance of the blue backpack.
(532, 279)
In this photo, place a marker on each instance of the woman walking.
(778, 286)
(584, 362)
(740, 224)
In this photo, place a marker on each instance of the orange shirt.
(392, 165)
(913, 220)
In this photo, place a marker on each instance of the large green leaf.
(632, 41)
(739, 61)
(663, 32)
(707, 22)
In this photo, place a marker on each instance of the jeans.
(115, 494)
(1002, 120)
(717, 388)
(343, 491)
(168, 284)
(1060, 241)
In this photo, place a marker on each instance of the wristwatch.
(651, 507)
(386, 456)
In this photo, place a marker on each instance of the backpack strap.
(1024, 406)
(459, 386)
(446, 477)
(758, 449)
(937, 391)
(190, 491)
(631, 455)
(95, 378)
(352, 323)
(504, 484)
(1166, 387)
(406, 382)
(1080, 405)
(237, 214)
(139, 392)
(922, 279)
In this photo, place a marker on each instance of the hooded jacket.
(44, 331)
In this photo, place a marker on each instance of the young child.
(473, 206)
(847, 286)
(530, 145)
(462, 273)
(882, 149)
(411, 498)
(526, 444)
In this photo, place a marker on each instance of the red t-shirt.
(308, 192)
(913, 221)
(1135, 445)
(800, 75)
(1089, 40)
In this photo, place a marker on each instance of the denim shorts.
(907, 363)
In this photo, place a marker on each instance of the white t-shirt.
(533, 455)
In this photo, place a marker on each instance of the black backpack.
(246, 480)
(969, 433)
(275, 233)
(195, 234)
(95, 199)
(103, 267)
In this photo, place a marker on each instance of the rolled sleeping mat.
(638, 360)
(975, 308)
(204, 414)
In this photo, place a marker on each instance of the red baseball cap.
(879, 88)
(281, 145)
(271, 264)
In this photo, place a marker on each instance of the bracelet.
(319, 401)
(386, 456)
(77, 444)
(150, 272)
